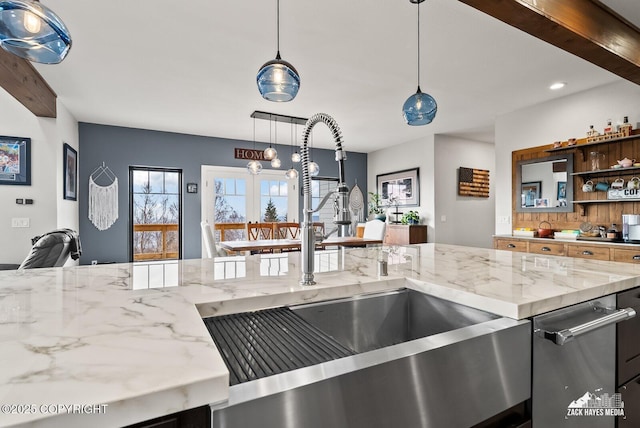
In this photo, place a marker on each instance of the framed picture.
(400, 188)
(562, 190)
(70, 175)
(541, 203)
(15, 161)
(530, 192)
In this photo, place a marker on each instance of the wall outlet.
(20, 222)
(504, 219)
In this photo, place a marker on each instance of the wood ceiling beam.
(19, 78)
(585, 28)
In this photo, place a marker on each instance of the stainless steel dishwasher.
(574, 363)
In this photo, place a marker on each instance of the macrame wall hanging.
(103, 200)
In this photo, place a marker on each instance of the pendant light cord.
(278, 25)
(418, 44)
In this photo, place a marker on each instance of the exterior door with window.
(155, 213)
(232, 197)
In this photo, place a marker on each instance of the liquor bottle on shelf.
(592, 132)
(626, 127)
(609, 128)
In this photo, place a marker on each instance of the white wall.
(468, 220)
(560, 119)
(413, 154)
(47, 212)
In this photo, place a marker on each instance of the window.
(155, 213)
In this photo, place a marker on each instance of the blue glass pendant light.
(277, 79)
(32, 31)
(420, 108)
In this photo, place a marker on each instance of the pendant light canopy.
(420, 108)
(277, 79)
(33, 32)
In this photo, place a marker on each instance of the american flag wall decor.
(473, 182)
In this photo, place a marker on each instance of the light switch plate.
(20, 222)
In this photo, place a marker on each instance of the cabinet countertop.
(130, 336)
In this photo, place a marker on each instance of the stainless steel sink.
(368, 322)
(400, 358)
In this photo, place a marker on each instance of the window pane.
(241, 187)
(283, 188)
(171, 182)
(140, 180)
(156, 179)
(264, 187)
(230, 188)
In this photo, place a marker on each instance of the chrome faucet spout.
(342, 214)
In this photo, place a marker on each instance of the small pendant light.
(420, 108)
(292, 173)
(270, 153)
(275, 162)
(314, 168)
(277, 79)
(33, 32)
(295, 156)
(254, 166)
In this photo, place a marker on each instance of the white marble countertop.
(127, 341)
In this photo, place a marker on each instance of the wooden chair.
(318, 227)
(259, 231)
(287, 230)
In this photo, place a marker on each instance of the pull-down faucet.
(342, 216)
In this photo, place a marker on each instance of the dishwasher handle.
(568, 334)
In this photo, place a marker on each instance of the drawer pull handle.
(587, 253)
(545, 249)
(637, 257)
(567, 335)
(511, 246)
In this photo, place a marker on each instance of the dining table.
(261, 245)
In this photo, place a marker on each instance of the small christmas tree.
(270, 212)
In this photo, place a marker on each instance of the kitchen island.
(111, 345)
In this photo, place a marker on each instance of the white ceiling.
(190, 67)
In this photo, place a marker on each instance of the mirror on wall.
(544, 184)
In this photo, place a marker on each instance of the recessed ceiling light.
(557, 85)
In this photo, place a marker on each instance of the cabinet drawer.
(511, 245)
(547, 248)
(630, 393)
(595, 252)
(627, 256)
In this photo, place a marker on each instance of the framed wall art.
(400, 188)
(15, 161)
(70, 174)
(530, 192)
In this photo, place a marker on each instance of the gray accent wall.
(120, 147)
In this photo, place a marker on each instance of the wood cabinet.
(595, 252)
(510, 244)
(404, 234)
(616, 252)
(550, 248)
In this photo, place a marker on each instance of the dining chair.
(318, 227)
(374, 229)
(257, 231)
(287, 230)
(210, 242)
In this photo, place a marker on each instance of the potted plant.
(411, 217)
(375, 206)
